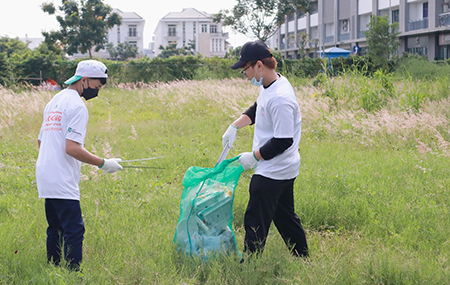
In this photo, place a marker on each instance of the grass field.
(372, 192)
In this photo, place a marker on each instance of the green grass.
(372, 192)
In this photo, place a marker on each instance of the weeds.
(371, 194)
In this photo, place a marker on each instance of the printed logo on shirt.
(53, 121)
(70, 130)
(261, 110)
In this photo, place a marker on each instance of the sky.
(25, 18)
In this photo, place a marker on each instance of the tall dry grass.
(372, 215)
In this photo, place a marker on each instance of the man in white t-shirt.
(58, 167)
(275, 157)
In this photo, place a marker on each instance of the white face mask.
(255, 82)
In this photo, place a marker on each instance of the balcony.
(172, 35)
(329, 39)
(344, 37)
(219, 35)
(444, 20)
(417, 24)
(133, 36)
(362, 34)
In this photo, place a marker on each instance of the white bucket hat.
(90, 69)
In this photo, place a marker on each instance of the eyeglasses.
(243, 71)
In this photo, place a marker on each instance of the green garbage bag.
(206, 210)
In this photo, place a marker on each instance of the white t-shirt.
(278, 116)
(57, 173)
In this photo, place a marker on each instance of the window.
(133, 43)
(291, 40)
(344, 25)
(204, 28)
(425, 10)
(132, 30)
(418, 50)
(213, 29)
(300, 14)
(184, 28)
(194, 28)
(172, 31)
(314, 7)
(395, 16)
(118, 34)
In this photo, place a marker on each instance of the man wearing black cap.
(274, 156)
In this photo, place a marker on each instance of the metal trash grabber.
(224, 154)
(141, 159)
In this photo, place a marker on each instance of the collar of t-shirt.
(279, 76)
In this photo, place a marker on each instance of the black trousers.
(273, 200)
(65, 227)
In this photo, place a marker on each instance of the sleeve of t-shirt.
(76, 125)
(251, 112)
(283, 116)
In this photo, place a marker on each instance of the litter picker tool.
(142, 159)
(224, 154)
(141, 166)
(136, 166)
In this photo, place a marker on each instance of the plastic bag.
(206, 209)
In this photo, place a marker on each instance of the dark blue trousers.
(65, 229)
(273, 200)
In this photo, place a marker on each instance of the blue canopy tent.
(334, 52)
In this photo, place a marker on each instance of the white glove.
(248, 160)
(229, 136)
(111, 165)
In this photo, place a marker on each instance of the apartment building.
(191, 26)
(424, 27)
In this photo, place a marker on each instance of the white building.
(424, 26)
(150, 51)
(131, 30)
(188, 26)
(32, 43)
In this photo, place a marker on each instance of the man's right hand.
(111, 165)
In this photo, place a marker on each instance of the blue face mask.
(257, 83)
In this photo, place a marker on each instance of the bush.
(304, 67)
(5, 69)
(29, 64)
(418, 67)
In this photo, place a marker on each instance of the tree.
(172, 50)
(122, 51)
(6, 69)
(191, 47)
(83, 25)
(302, 40)
(382, 39)
(11, 46)
(259, 18)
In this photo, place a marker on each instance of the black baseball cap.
(252, 51)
